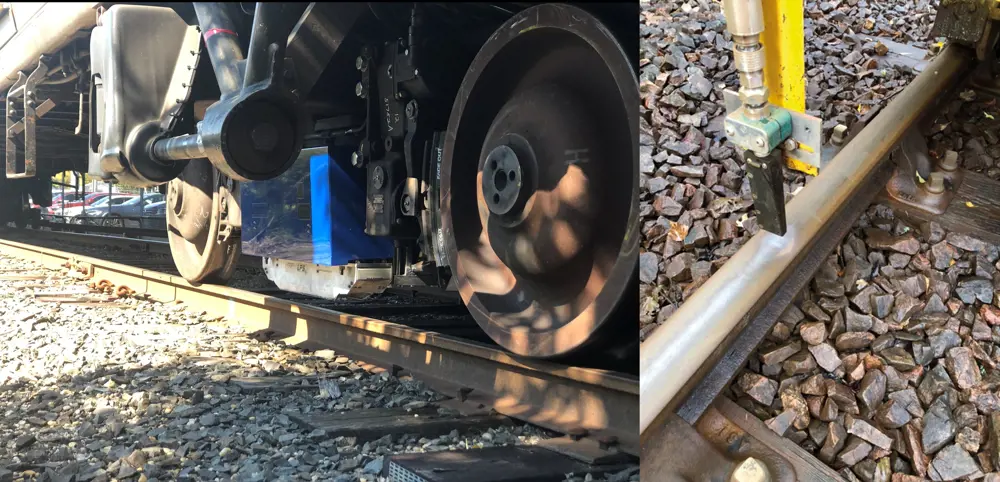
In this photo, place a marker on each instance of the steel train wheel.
(539, 187)
(194, 206)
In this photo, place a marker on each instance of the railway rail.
(598, 404)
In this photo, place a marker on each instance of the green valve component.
(759, 135)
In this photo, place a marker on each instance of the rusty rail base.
(566, 399)
(723, 437)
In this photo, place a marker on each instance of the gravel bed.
(886, 366)
(145, 391)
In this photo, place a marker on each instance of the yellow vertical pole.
(785, 61)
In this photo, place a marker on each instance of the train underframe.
(488, 149)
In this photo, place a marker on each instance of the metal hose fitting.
(745, 19)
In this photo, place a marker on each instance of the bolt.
(950, 161)
(407, 204)
(361, 63)
(935, 184)
(760, 142)
(355, 159)
(359, 90)
(789, 145)
(411, 109)
(607, 442)
(730, 131)
(839, 135)
(763, 165)
(749, 175)
(751, 470)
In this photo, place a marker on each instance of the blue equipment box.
(313, 213)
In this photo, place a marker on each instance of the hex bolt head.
(751, 470)
(361, 63)
(359, 90)
(839, 135)
(355, 159)
(789, 145)
(950, 161)
(760, 142)
(935, 184)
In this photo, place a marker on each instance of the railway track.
(438, 343)
(688, 364)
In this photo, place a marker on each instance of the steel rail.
(158, 246)
(566, 399)
(700, 330)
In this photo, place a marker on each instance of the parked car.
(98, 199)
(155, 215)
(113, 213)
(73, 208)
(86, 215)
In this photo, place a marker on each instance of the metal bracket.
(806, 132)
(767, 186)
(25, 87)
(963, 21)
(936, 188)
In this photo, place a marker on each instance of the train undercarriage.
(487, 149)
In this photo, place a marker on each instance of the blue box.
(313, 213)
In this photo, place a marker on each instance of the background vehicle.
(115, 214)
(482, 148)
(81, 215)
(155, 215)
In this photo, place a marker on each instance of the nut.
(935, 183)
(839, 135)
(789, 145)
(751, 470)
(753, 96)
(950, 161)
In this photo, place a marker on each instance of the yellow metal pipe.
(784, 53)
(785, 61)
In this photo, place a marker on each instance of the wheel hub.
(502, 181)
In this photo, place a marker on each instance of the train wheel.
(539, 187)
(195, 202)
